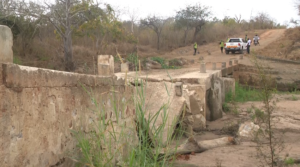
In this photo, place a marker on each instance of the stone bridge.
(40, 107)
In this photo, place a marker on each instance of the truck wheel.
(227, 52)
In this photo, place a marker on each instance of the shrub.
(161, 61)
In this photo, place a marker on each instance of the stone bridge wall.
(39, 108)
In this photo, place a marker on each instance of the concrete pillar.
(223, 64)
(202, 68)
(241, 57)
(124, 67)
(6, 43)
(105, 65)
(236, 61)
(214, 66)
(178, 88)
(230, 62)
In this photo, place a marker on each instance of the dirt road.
(212, 53)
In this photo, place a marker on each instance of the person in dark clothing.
(195, 48)
(221, 46)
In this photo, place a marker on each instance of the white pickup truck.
(235, 45)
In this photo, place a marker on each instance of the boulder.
(247, 129)
(150, 64)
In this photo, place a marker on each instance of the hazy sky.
(280, 10)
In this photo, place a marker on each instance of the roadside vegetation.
(135, 141)
(42, 39)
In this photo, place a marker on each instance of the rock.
(247, 129)
(199, 122)
(184, 61)
(150, 64)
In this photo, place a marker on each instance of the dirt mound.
(286, 47)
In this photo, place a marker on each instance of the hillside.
(286, 47)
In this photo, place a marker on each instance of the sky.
(280, 10)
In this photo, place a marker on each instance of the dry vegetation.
(38, 43)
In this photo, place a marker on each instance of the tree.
(193, 16)
(155, 23)
(133, 15)
(8, 7)
(263, 21)
(228, 21)
(238, 18)
(65, 16)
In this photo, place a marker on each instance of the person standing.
(222, 46)
(195, 48)
(246, 37)
(248, 45)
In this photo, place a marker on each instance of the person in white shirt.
(248, 45)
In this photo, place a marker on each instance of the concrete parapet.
(40, 107)
(28, 77)
(105, 65)
(6, 43)
(178, 88)
(202, 68)
(229, 87)
(236, 61)
(224, 72)
(214, 66)
(124, 67)
(223, 65)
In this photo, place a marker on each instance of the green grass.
(133, 58)
(225, 107)
(289, 161)
(17, 60)
(243, 94)
(113, 143)
(294, 98)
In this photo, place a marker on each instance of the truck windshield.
(234, 40)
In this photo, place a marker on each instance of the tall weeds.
(126, 141)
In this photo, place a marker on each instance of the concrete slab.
(192, 76)
(161, 97)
